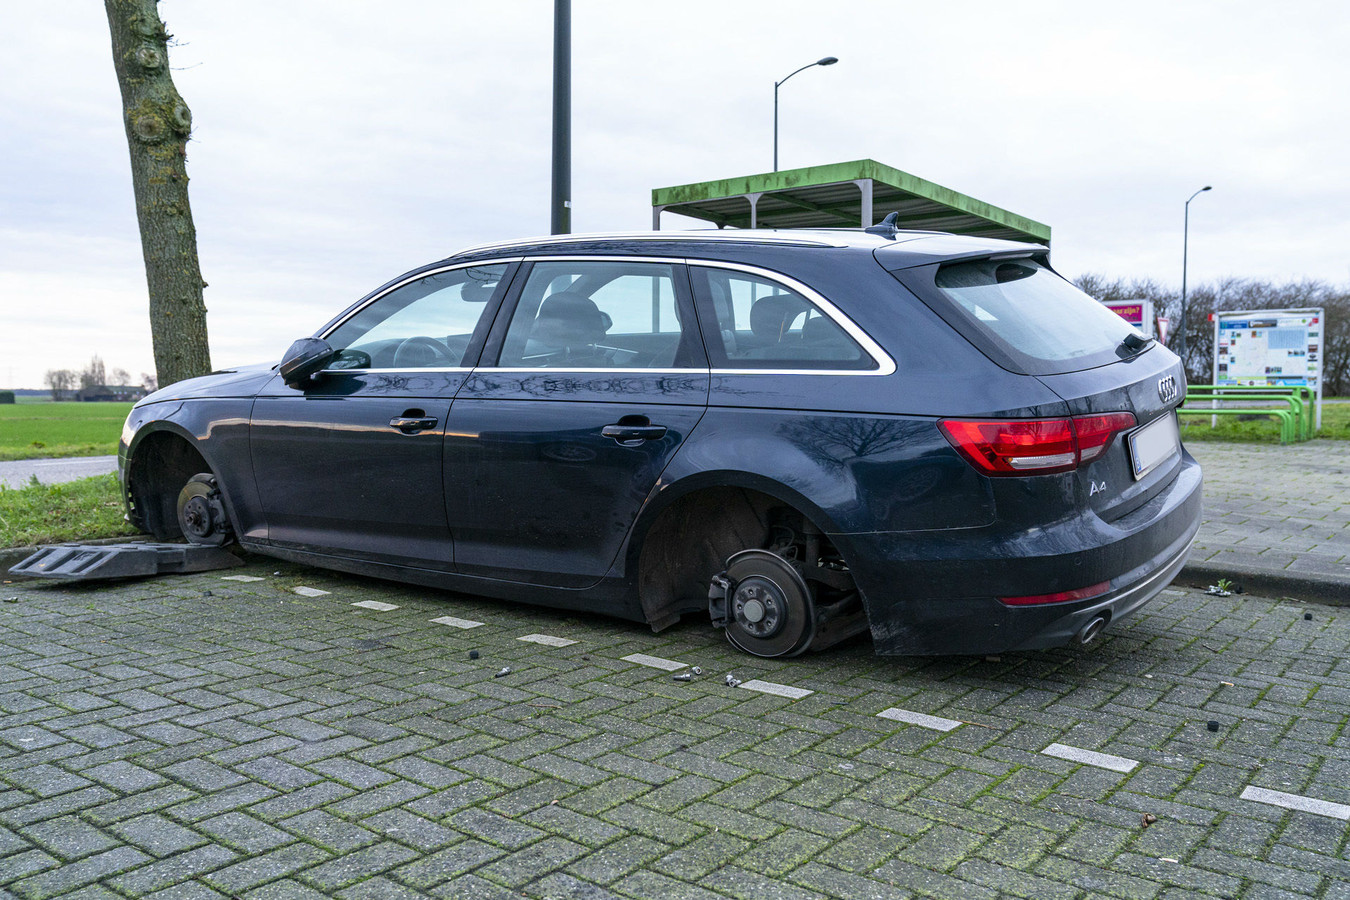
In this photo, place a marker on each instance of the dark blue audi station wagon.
(804, 435)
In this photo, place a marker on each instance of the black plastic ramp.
(92, 562)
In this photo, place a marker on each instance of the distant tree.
(120, 377)
(1240, 293)
(1336, 344)
(94, 374)
(158, 124)
(60, 381)
(149, 382)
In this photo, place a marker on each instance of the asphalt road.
(53, 471)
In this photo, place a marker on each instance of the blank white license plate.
(1155, 443)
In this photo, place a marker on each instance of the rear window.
(1030, 315)
(1023, 316)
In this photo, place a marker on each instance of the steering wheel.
(420, 352)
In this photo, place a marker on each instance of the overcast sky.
(338, 143)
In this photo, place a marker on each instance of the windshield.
(1032, 314)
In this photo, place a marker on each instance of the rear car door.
(351, 464)
(592, 379)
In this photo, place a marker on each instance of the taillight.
(1034, 446)
(1095, 432)
(1013, 447)
(1095, 590)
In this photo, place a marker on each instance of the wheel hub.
(764, 604)
(759, 606)
(201, 512)
(197, 517)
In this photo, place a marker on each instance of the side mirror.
(303, 359)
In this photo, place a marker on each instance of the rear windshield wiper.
(1135, 342)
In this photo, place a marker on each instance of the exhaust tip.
(1091, 630)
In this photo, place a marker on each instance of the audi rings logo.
(1167, 388)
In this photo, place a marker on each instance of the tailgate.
(1150, 386)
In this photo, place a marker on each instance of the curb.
(1310, 587)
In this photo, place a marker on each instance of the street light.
(827, 61)
(560, 196)
(1185, 242)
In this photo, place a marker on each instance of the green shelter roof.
(848, 194)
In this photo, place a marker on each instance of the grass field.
(50, 513)
(39, 430)
(1261, 429)
(35, 430)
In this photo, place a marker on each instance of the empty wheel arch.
(690, 544)
(162, 464)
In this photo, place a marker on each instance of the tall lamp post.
(827, 61)
(1185, 248)
(560, 198)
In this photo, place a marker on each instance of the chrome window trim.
(441, 369)
(544, 370)
(409, 280)
(830, 372)
(885, 365)
(606, 257)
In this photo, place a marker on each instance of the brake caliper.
(719, 589)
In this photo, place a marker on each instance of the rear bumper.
(1114, 605)
(936, 593)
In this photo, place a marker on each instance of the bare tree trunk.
(158, 123)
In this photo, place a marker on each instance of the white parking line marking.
(654, 662)
(779, 690)
(240, 578)
(1294, 801)
(916, 718)
(547, 640)
(309, 591)
(375, 605)
(457, 623)
(1091, 758)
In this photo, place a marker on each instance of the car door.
(590, 385)
(350, 465)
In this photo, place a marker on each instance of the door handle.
(631, 435)
(411, 424)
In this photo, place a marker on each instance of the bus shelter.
(848, 195)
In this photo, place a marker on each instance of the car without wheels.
(804, 435)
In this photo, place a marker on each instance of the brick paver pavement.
(1276, 518)
(197, 737)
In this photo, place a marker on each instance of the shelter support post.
(865, 185)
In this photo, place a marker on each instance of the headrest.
(819, 329)
(771, 315)
(567, 319)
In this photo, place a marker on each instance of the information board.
(1138, 313)
(1270, 348)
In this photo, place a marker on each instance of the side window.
(756, 323)
(427, 323)
(584, 315)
